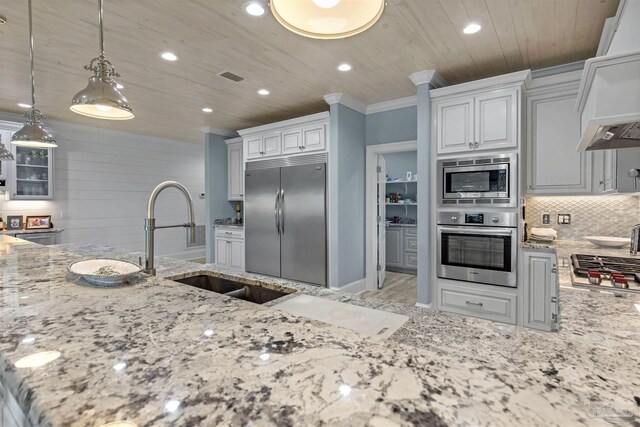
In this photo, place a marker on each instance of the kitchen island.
(158, 352)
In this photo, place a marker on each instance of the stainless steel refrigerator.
(285, 218)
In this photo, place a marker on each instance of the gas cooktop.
(630, 267)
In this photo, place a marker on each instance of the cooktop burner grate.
(605, 264)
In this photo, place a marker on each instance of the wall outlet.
(546, 218)
(564, 219)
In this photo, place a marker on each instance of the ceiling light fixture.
(33, 133)
(119, 86)
(4, 153)
(344, 67)
(101, 99)
(327, 19)
(263, 92)
(169, 56)
(3, 20)
(254, 8)
(207, 110)
(472, 28)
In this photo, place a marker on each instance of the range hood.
(609, 103)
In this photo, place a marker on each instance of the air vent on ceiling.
(231, 76)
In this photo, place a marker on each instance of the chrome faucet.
(150, 222)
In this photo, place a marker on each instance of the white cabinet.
(267, 145)
(605, 171)
(401, 249)
(229, 247)
(483, 121)
(235, 170)
(540, 290)
(394, 247)
(287, 138)
(471, 301)
(553, 129)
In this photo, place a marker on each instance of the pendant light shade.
(33, 133)
(101, 99)
(4, 153)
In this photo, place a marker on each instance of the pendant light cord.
(33, 86)
(100, 12)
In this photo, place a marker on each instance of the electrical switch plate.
(546, 218)
(564, 219)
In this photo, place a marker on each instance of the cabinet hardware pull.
(228, 232)
(471, 146)
(479, 304)
(554, 270)
(476, 144)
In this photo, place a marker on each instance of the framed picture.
(14, 222)
(37, 222)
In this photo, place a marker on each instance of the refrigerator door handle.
(276, 212)
(281, 214)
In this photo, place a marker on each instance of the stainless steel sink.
(251, 293)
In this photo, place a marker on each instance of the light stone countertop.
(45, 230)
(438, 369)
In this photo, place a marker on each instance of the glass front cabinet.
(31, 174)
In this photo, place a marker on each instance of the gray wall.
(392, 126)
(217, 205)
(349, 128)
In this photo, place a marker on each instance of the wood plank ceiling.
(212, 36)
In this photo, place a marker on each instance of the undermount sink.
(251, 293)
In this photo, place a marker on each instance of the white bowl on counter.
(608, 242)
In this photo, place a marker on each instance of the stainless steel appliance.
(616, 137)
(478, 247)
(478, 180)
(605, 269)
(635, 239)
(285, 219)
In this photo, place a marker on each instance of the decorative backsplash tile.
(590, 215)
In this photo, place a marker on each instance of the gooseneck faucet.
(150, 222)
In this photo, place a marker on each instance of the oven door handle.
(476, 230)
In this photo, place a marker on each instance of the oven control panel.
(491, 219)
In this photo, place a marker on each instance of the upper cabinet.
(235, 170)
(478, 116)
(554, 166)
(287, 138)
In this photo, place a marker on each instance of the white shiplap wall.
(102, 183)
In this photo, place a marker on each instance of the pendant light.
(101, 99)
(4, 153)
(33, 133)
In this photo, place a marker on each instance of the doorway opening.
(392, 222)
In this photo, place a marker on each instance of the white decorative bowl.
(104, 272)
(608, 242)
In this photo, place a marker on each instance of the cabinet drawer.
(410, 243)
(411, 260)
(411, 231)
(228, 232)
(487, 305)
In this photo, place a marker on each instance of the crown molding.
(519, 77)
(347, 101)
(217, 131)
(428, 76)
(393, 104)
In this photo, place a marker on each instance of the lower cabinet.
(394, 247)
(229, 247)
(402, 249)
(486, 304)
(540, 286)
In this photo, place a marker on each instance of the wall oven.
(488, 180)
(478, 247)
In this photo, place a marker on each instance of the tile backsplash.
(590, 215)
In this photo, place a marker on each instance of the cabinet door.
(553, 131)
(454, 125)
(605, 171)
(496, 119)
(292, 141)
(236, 254)
(254, 147)
(272, 144)
(222, 252)
(394, 247)
(313, 138)
(540, 302)
(32, 173)
(235, 172)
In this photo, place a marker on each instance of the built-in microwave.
(486, 180)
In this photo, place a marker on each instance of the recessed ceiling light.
(344, 67)
(207, 110)
(471, 28)
(326, 4)
(169, 56)
(254, 8)
(23, 105)
(263, 92)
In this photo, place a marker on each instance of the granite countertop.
(45, 230)
(226, 222)
(391, 224)
(140, 351)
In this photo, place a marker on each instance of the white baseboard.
(418, 304)
(353, 287)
